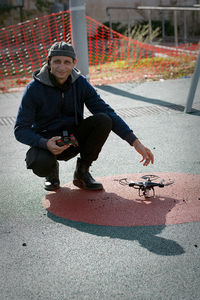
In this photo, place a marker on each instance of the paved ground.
(48, 257)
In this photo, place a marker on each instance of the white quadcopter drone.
(146, 188)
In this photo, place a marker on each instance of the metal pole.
(20, 4)
(79, 35)
(110, 24)
(129, 26)
(185, 26)
(193, 86)
(21, 14)
(175, 29)
(150, 25)
(163, 24)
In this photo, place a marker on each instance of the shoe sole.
(81, 185)
(51, 189)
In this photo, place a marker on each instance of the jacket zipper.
(63, 95)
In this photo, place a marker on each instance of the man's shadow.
(145, 235)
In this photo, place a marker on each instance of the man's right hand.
(55, 149)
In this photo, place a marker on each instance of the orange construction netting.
(112, 56)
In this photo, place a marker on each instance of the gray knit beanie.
(62, 49)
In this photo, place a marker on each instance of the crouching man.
(53, 102)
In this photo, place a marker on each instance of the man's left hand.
(147, 155)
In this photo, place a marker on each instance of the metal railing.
(162, 9)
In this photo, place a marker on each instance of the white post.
(79, 35)
(193, 86)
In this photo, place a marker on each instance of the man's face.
(61, 67)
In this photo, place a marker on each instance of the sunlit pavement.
(112, 244)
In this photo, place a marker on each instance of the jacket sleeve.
(23, 130)
(95, 105)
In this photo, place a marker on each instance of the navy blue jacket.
(45, 110)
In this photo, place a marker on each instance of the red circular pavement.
(119, 205)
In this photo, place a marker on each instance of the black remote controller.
(67, 140)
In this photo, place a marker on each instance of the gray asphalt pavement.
(47, 257)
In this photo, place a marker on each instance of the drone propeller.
(155, 177)
(150, 177)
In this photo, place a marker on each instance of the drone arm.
(135, 185)
(161, 185)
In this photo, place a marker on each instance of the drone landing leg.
(147, 194)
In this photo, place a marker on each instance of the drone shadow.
(111, 205)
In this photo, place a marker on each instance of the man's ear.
(75, 61)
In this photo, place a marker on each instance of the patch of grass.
(154, 68)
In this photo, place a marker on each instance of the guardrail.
(162, 9)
